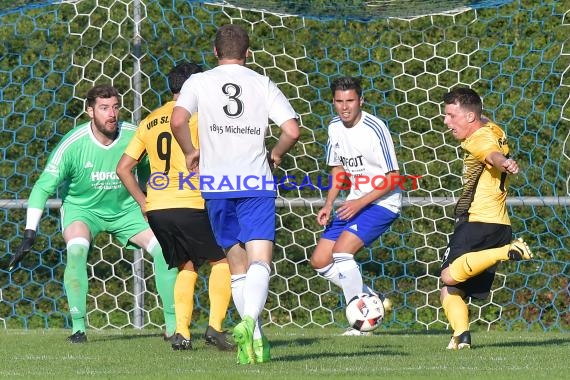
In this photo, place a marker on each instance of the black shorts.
(473, 237)
(184, 235)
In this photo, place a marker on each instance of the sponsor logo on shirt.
(238, 130)
(105, 181)
(351, 162)
(103, 176)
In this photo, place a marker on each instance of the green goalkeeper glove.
(27, 243)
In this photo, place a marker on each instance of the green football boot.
(262, 350)
(243, 336)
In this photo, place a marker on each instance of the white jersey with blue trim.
(235, 105)
(366, 149)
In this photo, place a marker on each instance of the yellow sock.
(220, 293)
(473, 263)
(456, 312)
(184, 300)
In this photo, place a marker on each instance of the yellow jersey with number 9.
(169, 184)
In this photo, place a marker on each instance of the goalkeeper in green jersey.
(95, 200)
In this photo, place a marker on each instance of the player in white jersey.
(234, 104)
(360, 149)
(95, 200)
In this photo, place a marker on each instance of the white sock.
(255, 293)
(238, 283)
(349, 275)
(330, 272)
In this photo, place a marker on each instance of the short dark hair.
(346, 83)
(104, 91)
(466, 98)
(179, 73)
(231, 42)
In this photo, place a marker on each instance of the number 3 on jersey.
(235, 107)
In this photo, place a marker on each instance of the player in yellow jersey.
(175, 210)
(482, 235)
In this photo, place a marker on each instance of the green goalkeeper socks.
(165, 280)
(75, 281)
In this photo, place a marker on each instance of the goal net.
(408, 54)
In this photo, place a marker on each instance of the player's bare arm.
(125, 173)
(289, 136)
(324, 213)
(350, 208)
(504, 164)
(179, 125)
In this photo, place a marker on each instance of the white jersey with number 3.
(234, 105)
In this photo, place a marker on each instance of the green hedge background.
(515, 55)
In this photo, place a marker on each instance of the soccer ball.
(365, 312)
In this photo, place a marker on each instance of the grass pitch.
(297, 354)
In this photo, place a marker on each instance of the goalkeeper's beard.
(108, 128)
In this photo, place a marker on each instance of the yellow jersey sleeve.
(136, 148)
(194, 131)
(485, 141)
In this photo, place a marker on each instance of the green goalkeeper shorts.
(122, 226)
